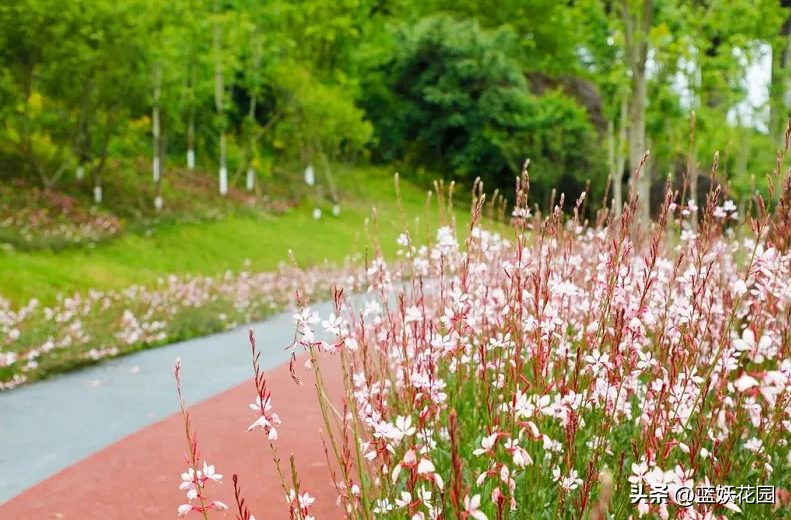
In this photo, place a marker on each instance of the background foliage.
(462, 88)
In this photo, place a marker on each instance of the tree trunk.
(744, 147)
(611, 149)
(694, 174)
(161, 151)
(251, 144)
(780, 85)
(99, 167)
(156, 122)
(223, 167)
(620, 159)
(328, 171)
(786, 76)
(218, 100)
(713, 97)
(252, 140)
(636, 33)
(82, 129)
(692, 166)
(191, 122)
(637, 145)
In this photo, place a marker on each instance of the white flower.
(425, 466)
(405, 499)
(305, 500)
(521, 457)
(638, 472)
(208, 472)
(332, 325)
(571, 482)
(189, 478)
(745, 382)
(403, 428)
(753, 444)
(472, 505)
(487, 444)
(747, 342)
(413, 314)
(383, 505)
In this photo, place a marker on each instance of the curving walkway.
(108, 443)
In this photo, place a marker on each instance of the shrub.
(453, 96)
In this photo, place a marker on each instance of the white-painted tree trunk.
(223, 167)
(218, 99)
(191, 119)
(250, 179)
(252, 139)
(80, 172)
(158, 203)
(223, 180)
(155, 130)
(310, 176)
(97, 194)
(157, 171)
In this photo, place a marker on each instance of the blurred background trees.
(237, 88)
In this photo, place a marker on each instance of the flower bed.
(563, 371)
(32, 216)
(38, 340)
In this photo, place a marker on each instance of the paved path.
(48, 429)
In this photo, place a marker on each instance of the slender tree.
(617, 157)
(219, 94)
(780, 87)
(637, 19)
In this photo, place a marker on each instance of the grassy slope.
(212, 247)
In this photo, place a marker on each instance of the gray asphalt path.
(50, 425)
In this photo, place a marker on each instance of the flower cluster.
(33, 214)
(543, 372)
(194, 480)
(37, 339)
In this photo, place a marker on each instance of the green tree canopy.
(456, 99)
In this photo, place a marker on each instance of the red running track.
(138, 477)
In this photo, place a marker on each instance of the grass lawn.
(215, 246)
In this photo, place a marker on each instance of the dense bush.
(452, 96)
